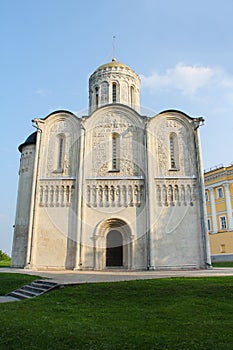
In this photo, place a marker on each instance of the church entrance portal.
(114, 249)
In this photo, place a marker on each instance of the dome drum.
(114, 82)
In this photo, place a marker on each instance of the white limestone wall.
(175, 213)
(54, 234)
(113, 198)
(20, 242)
(97, 222)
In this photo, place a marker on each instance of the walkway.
(77, 277)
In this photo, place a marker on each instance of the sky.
(182, 50)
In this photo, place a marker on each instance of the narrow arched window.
(96, 96)
(132, 96)
(114, 92)
(174, 156)
(115, 152)
(60, 157)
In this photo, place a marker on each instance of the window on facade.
(114, 92)
(206, 196)
(172, 152)
(61, 145)
(115, 152)
(209, 224)
(222, 248)
(220, 192)
(96, 96)
(132, 96)
(223, 223)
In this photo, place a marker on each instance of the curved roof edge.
(112, 64)
(174, 111)
(60, 111)
(115, 104)
(31, 140)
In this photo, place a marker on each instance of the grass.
(5, 263)
(12, 281)
(223, 264)
(155, 314)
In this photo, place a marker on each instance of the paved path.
(77, 277)
(66, 277)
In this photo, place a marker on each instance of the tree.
(4, 256)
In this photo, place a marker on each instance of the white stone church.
(113, 189)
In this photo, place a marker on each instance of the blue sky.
(183, 51)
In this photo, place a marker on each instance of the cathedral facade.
(113, 189)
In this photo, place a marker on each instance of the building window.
(96, 96)
(173, 151)
(132, 96)
(209, 224)
(223, 223)
(114, 92)
(115, 152)
(220, 192)
(222, 248)
(206, 196)
(61, 145)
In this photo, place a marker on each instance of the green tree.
(4, 256)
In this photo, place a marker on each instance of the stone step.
(33, 289)
(44, 285)
(36, 290)
(18, 295)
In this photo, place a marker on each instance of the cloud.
(42, 92)
(185, 78)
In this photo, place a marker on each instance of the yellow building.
(219, 206)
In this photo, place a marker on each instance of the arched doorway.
(114, 249)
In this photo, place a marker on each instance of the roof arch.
(115, 108)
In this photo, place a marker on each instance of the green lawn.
(155, 314)
(223, 264)
(5, 263)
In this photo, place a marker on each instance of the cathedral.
(113, 189)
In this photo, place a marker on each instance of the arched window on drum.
(114, 92)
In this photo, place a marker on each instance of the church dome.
(113, 64)
(31, 140)
(114, 82)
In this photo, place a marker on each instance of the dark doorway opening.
(114, 250)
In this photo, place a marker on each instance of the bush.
(4, 256)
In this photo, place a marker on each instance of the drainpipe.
(33, 196)
(80, 186)
(201, 189)
(147, 202)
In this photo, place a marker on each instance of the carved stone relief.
(185, 148)
(176, 192)
(65, 128)
(103, 193)
(130, 137)
(56, 193)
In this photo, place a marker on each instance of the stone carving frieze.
(113, 193)
(178, 192)
(130, 160)
(57, 193)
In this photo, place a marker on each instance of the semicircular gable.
(172, 115)
(111, 113)
(63, 117)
